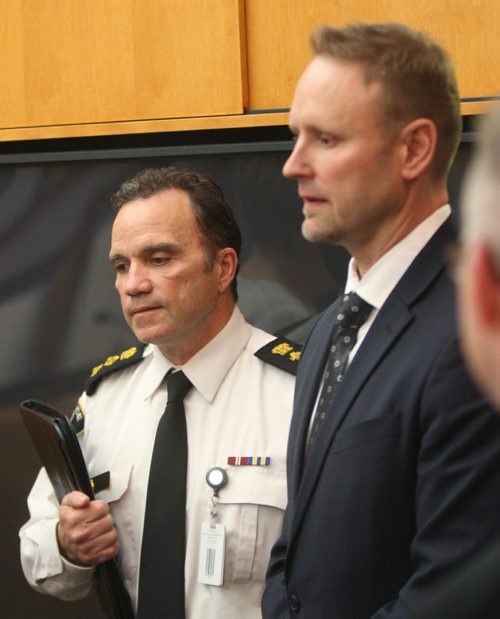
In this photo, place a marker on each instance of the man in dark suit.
(473, 589)
(393, 456)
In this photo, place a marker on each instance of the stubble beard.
(320, 234)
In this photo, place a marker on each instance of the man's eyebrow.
(169, 248)
(114, 257)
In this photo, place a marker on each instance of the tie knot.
(352, 311)
(178, 385)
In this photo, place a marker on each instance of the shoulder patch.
(282, 353)
(78, 419)
(127, 358)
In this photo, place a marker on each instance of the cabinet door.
(98, 61)
(278, 40)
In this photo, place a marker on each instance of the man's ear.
(227, 259)
(419, 139)
(487, 287)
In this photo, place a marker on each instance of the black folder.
(60, 453)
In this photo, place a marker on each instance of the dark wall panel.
(59, 313)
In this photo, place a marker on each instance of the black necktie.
(161, 576)
(351, 314)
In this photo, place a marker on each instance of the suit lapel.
(385, 330)
(393, 318)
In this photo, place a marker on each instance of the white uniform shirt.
(239, 406)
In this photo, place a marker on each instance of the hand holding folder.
(61, 455)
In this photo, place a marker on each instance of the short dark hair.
(213, 214)
(416, 73)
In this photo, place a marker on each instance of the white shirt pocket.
(251, 508)
(118, 483)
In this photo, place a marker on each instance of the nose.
(297, 164)
(136, 280)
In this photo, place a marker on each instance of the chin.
(319, 235)
(489, 384)
(149, 336)
(311, 233)
(482, 367)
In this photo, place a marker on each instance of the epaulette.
(78, 419)
(282, 353)
(127, 358)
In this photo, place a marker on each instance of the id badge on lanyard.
(211, 559)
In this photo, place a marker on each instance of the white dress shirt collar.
(380, 280)
(205, 375)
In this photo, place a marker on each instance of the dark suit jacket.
(472, 591)
(403, 479)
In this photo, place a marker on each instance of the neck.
(181, 349)
(419, 206)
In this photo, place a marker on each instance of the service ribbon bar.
(249, 460)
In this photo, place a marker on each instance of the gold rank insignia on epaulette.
(127, 358)
(78, 419)
(282, 353)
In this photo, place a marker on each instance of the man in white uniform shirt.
(174, 249)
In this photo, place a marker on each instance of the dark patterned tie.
(351, 314)
(161, 576)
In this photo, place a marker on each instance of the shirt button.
(294, 603)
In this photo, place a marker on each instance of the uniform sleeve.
(43, 567)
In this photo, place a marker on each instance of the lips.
(142, 310)
(312, 200)
(308, 194)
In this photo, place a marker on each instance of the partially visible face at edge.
(480, 340)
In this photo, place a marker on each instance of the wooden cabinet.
(96, 67)
(278, 41)
(100, 61)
